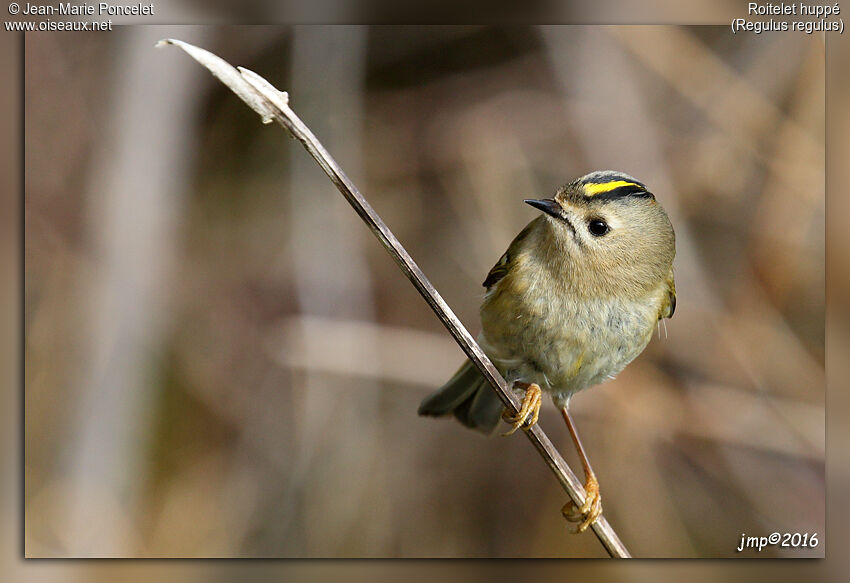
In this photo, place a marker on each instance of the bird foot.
(528, 412)
(589, 511)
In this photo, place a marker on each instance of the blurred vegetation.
(220, 361)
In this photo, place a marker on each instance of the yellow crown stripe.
(593, 189)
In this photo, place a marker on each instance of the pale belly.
(562, 345)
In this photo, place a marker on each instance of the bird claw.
(529, 410)
(590, 510)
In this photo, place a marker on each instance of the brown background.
(222, 362)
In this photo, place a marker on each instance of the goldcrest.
(574, 299)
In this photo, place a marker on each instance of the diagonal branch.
(273, 105)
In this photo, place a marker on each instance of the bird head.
(608, 233)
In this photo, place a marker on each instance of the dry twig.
(272, 105)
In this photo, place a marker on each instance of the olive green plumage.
(574, 299)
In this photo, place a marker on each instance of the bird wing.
(668, 306)
(503, 266)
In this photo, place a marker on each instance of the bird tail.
(467, 396)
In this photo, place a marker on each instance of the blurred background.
(222, 361)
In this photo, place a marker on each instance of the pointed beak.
(548, 205)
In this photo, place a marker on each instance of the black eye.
(597, 227)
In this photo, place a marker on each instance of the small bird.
(574, 299)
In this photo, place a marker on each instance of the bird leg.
(528, 412)
(592, 507)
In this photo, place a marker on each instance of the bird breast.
(540, 333)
